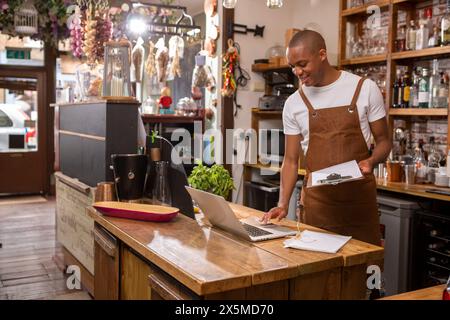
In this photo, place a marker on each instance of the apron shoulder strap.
(305, 99)
(358, 91)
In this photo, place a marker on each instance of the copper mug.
(394, 171)
(105, 192)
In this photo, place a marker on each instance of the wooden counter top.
(414, 190)
(355, 252)
(433, 293)
(203, 260)
(209, 261)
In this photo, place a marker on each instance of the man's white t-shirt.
(340, 93)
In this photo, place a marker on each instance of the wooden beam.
(50, 96)
(227, 103)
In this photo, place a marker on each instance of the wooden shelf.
(270, 68)
(260, 166)
(168, 118)
(364, 60)
(410, 112)
(363, 9)
(268, 113)
(405, 1)
(414, 190)
(429, 52)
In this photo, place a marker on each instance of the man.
(332, 117)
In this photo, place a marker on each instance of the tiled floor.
(27, 266)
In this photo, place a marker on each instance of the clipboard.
(335, 175)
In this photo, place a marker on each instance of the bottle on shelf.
(434, 40)
(424, 89)
(435, 81)
(396, 97)
(442, 93)
(411, 36)
(422, 37)
(445, 26)
(406, 92)
(436, 245)
(414, 90)
(400, 43)
(429, 20)
(434, 233)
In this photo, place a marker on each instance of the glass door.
(22, 133)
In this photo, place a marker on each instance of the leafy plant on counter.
(216, 180)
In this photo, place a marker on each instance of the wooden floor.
(28, 248)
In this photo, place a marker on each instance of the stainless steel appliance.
(278, 98)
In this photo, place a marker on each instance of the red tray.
(137, 211)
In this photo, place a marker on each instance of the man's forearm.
(289, 176)
(381, 152)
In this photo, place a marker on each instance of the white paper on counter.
(317, 241)
(350, 168)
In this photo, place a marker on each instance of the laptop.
(220, 214)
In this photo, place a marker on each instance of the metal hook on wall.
(243, 29)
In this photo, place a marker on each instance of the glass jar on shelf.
(358, 48)
(350, 43)
(89, 81)
(149, 106)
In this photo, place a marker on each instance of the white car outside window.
(12, 122)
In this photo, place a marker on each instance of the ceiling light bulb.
(229, 4)
(274, 4)
(137, 26)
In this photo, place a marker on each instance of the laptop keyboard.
(254, 231)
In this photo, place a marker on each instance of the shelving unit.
(391, 58)
(363, 9)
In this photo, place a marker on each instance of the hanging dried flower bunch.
(103, 33)
(230, 60)
(150, 67)
(90, 31)
(76, 31)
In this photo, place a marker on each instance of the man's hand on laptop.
(277, 212)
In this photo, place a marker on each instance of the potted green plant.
(216, 180)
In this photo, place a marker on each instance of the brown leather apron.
(349, 208)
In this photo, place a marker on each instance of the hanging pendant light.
(229, 4)
(274, 4)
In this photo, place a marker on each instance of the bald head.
(308, 39)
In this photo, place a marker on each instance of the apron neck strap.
(358, 91)
(306, 100)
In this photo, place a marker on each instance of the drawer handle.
(108, 245)
(163, 287)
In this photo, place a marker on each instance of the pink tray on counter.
(136, 211)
